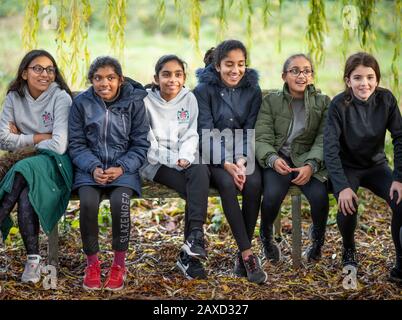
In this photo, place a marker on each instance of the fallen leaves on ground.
(156, 237)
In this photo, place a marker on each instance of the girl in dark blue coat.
(108, 144)
(229, 99)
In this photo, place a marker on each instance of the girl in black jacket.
(354, 151)
(229, 99)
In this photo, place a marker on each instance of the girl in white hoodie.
(172, 110)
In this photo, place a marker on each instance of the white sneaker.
(32, 271)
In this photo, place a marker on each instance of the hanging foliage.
(250, 13)
(397, 49)
(317, 26)
(80, 13)
(117, 22)
(346, 17)
(195, 24)
(222, 19)
(366, 32)
(161, 11)
(280, 27)
(266, 12)
(86, 15)
(31, 25)
(179, 15)
(61, 37)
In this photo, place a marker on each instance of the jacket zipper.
(290, 126)
(124, 124)
(106, 125)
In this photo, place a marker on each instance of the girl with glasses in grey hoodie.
(35, 114)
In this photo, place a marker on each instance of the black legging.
(90, 198)
(28, 220)
(192, 184)
(378, 179)
(276, 187)
(242, 221)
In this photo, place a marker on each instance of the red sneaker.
(115, 280)
(92, 278)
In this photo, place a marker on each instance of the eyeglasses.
(295, 72)
(38, 69)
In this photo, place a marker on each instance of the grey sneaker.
(255, 273)
(32, 271)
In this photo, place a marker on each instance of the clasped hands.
(304, 173)
(237, 171)
(106, 176)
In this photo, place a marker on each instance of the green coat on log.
(274, 122)
(49, 176)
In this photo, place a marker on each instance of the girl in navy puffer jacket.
(229, 99)
(108, 131)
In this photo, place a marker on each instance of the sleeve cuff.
(271, 160)
(27, 140)
(314, 165)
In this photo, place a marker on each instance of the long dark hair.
(18, 83)
(355, 60)
(162, 61)
(216, 55)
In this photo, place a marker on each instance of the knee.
(200, 170)
(226, 185)
(253, 184)
(87, 207)
(319, 198)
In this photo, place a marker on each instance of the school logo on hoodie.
(183, 116)
(47, 119)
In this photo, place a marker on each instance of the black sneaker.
(270, 248)
(239, 269)
(254, 271)
(396, 272)
(191, 267)
(194, 244)
(349, 257)
(313, 252)
(395, 275)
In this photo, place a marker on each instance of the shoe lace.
(198, 239)
(349, 255)
(116, 272)
(251, 263)
(93, 270)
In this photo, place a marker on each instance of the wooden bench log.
(295, 194)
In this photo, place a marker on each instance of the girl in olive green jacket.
(289, 146)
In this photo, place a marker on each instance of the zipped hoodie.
(46, 114)
(173, 133)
